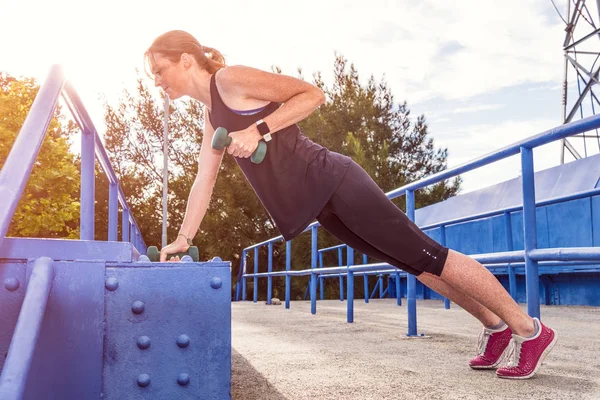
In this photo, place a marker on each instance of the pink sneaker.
(526, 355)
(491, 346)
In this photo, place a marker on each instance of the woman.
(299, 181)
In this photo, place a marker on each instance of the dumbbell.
(221, 139)
(154, 255)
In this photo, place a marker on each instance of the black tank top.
(297, 177)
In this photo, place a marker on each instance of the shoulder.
(235, 77)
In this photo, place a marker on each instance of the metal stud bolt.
(138, 307)
(216, 282)
(143, 380)
(183, 379)
(112, 283)
(143, 342)
(183, 341)
(11, 284)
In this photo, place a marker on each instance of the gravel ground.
(291, 354)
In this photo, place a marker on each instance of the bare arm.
(209, 162)
(242, 84)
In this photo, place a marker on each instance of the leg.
(467, 276)
(467, 303)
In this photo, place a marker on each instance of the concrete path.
(291, 354)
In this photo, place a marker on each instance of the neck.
(199, 86)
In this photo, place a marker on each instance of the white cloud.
(476, 108)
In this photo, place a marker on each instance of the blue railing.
(19, 163)
(531, 256)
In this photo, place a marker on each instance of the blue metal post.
(350, 307)
(366, 280)
(313, 277)
(340, 263)
(125, 225)
(27, 332)
(532, 279)
(398, 294)
(244, 282)
(349, 262)
(512, 278)
(443, 243)
(411, 295)
(113, 212)
(256, 272)
(288, 266)
(321, 280)
(270, 278)
(86, 220)
(381, 286)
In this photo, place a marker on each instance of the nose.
(156, 81)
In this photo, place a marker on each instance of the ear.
(186, 59)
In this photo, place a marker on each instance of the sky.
(485, 73)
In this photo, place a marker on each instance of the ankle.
(525, 329)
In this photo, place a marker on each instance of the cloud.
(477, 108)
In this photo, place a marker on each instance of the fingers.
(241, 148)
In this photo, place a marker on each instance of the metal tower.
(581, 74)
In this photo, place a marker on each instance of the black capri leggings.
(360, 215)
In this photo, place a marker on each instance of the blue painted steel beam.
(443, 243)
(350, 302)
(26, 334)
(532, 280)
(566, 254)
(366, 280)
(288, 266)
(19, 163)
(398, 290)
(255, 272)
(125, 225)
(313, 266)
(270, 279)
(87, 201)
(113, 212)
(411, 292)
(67, 250)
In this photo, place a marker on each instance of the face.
(168, 75)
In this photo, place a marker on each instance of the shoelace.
(512, 356)
(482, 341)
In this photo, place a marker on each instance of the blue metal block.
(67, 361)
(176, 342)
(12, 292)
(67, 250)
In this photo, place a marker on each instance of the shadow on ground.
(249, 384)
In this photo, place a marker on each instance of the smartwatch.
(264, 130)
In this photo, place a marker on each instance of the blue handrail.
(19, 163)
(530, 256)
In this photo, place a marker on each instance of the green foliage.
(49, 206)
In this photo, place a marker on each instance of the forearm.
(294, 110)
(198, 202)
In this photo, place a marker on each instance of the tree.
(49, 206)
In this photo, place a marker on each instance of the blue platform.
(114, 328)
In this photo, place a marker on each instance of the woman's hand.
(178, 246)
(244, 142)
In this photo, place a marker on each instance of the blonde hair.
(173, 44)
